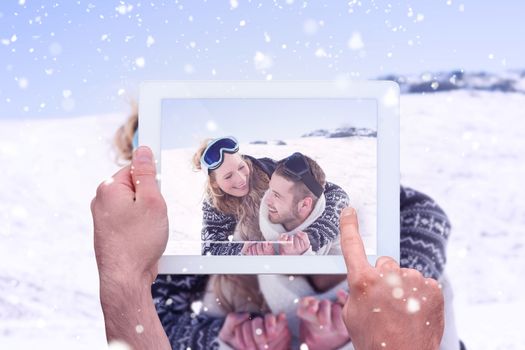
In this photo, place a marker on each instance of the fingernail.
(143, 155)
(348, 211)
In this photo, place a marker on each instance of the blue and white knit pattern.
(424, 233)
(425, 229)
(217, 226)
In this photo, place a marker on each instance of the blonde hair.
(239, 293)
(245, 209)
(123, 139)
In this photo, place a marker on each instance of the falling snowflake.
(23, 83)
(356, 41)
(413, 305)
(242, 23)
(397, 293)
(140, 62)
(262, 61)
(234, 4)
(139, 329)
(124, 8)
(150, 41)
(320, 52)
(267, 37)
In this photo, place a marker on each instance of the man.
(294, 201)
(131, 233)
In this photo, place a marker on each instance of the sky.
(74, 58)
(185, 123)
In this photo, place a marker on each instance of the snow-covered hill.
(510, 81)
(464, 148)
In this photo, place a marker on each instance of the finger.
(233, 320)
(352, 244)
(247, 334)
(270, 324)
(260, 249)
(296, 242)
(267, 248)
(302, 309)
(119, 179)
(386, 263)
(337, 318)
(281, 322)
(324, 314)
(303, 236)
(239, 337)
(259, 332)
(281, 340)
(342, 296)
(143, 173)
(313, 307)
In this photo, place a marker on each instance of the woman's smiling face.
(233, 176)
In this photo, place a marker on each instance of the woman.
(178, 297)
(235, 187)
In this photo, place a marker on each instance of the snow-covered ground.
(465, 149)
(183, 188)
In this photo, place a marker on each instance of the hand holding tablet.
(386, 305)
(387, 301)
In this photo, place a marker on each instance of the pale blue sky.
(185, 123)
(69, 58)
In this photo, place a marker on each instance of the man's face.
(280, 201)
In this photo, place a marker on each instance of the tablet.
(281, 160)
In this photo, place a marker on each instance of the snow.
(464, 148)
(184, 188)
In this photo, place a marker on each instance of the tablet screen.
(247, 207)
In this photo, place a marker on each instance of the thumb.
(143, 173)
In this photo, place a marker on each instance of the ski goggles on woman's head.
(213, 155)
(297, 166)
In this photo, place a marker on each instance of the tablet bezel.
(386, 94)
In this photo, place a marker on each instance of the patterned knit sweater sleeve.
(326, 228)
(216, 230)
(173, 296)
(425, 229)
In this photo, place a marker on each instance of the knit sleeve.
(425, 229)
(326, 228)
(216, 231)
(173, 296)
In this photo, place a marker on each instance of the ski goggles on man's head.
(213, 155)
(297, 166)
